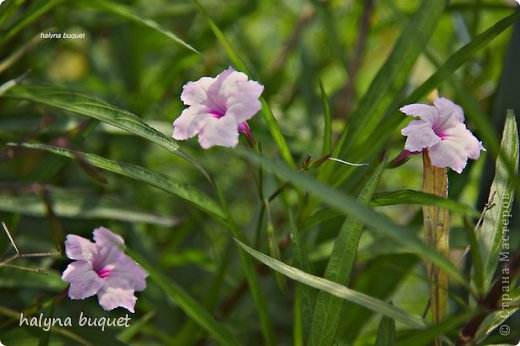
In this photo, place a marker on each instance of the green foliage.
(85, 140)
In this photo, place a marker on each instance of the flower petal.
(448, 111)
(196, 92)
(458, 145)
(425, 112)
(79, 248)
(191, 121)
(111, 297)
(223, 132)
(106, 238)
(420, 135)
(84, 282)
(243, 103)
(128, 271)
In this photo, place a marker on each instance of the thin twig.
(7, 262)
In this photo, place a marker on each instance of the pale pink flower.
(218, 109)
(102, 268)
(441, 131)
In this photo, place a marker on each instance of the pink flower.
(218, 109)
(442, 132)
(102, 268)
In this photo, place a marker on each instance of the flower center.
(103, 272)
(441, 135)
(216, 114)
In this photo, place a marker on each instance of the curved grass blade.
(337, 290)
(386, 332)
(139, 173)
(327, 130)
(421, 198)
(72, 204)
(128, 13)
(102, 111)
(350, 206)
(306, 295)
(35, 11)
(189, 305)
(267, 113)
(327, 312)
(426, 336)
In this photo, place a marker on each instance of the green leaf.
(386, 332)
(327, 130)
(427, 336)
(306, 294)
(189, 305)
(75, 204)
(337, 289)
(139, 173)
(128, 13)
(31, 14)
(421, 198)
(328, 308)
(267, 113)
(15, 278)
(495, 227)
(101, 111)
(350, 206)
(497, 318)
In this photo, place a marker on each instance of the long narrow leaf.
(156, 179)
(496, 220)
(350, 206)
(188, 304)
(337, 289)
(327, 312)
(421, 198)
(76, 205)
(101, 111)
(327, 129)
(128, 13)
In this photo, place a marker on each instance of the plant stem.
(436, 227)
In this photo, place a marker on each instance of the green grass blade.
(427, 336)
(476, 256)
(501, 196)
(306, 294)
(327, 130)
(101, 111)
(420, 198)
(386, 332)
(189, 305)
(35, 11)
(327, 312)
(350, 206)
(337, 289)
(128, 13)
(251, 275)
(73, 204)
(267, 113)
(497, 318)
(145, 175)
